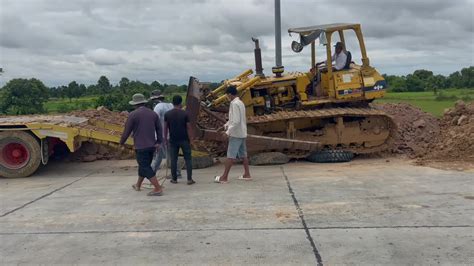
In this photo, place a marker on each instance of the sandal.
(134, 186)
(244, 178)
(217, 179)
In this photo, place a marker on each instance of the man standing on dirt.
(147, 137)
(237, 133)
(180, 137)
(161, 107)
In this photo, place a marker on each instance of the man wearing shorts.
(237, 133)
(147, 136)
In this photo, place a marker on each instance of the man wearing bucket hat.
(161, 107)
(147, 137)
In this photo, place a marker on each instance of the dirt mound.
(431, 140)
(456, 141)
(102, 114)
(91, 151)
(416, 129)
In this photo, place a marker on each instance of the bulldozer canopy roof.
(322, 28)
(310, 34)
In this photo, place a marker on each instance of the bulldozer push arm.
(255, 143)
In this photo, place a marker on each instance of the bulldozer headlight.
(296, 47)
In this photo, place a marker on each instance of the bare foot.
(135, 187)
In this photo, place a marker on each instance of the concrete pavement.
(366, 211)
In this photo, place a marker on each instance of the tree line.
(27, 96)
(105, 89)
(425, 80)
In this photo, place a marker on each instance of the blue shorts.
(237, 148)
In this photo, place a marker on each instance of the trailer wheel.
(20, 154)
(330, 156)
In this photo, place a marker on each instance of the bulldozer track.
(323, 113)
(333, 112)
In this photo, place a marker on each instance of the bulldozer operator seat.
(348, 60)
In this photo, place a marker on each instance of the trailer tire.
(330, 156)
(20, 154)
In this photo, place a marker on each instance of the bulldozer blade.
(193, 103)
(263, 143)
(256, 143)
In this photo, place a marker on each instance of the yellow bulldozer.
(323, 114)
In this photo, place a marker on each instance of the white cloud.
(169, 40)
(104, 57)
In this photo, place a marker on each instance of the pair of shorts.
(144, 159)
(237, 148)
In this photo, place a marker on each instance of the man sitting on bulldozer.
(339, 58)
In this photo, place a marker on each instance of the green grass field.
(426, 100)
(58, 105)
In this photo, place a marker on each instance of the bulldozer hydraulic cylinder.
(240, 88)
(224, 85)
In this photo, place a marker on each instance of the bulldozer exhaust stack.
(258, 59)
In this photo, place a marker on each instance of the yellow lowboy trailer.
(26, 142)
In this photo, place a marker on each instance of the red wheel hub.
(15, 155)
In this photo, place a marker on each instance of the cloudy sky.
(168, 40)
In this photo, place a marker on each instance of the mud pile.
(416, 131)
(91, 151)
(456, 139)
(104, 115)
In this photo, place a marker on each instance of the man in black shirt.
(180, 134)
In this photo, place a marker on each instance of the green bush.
(114, 102)
(23, 96)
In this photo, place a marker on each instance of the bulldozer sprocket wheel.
(20, 154)
(330, 156)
